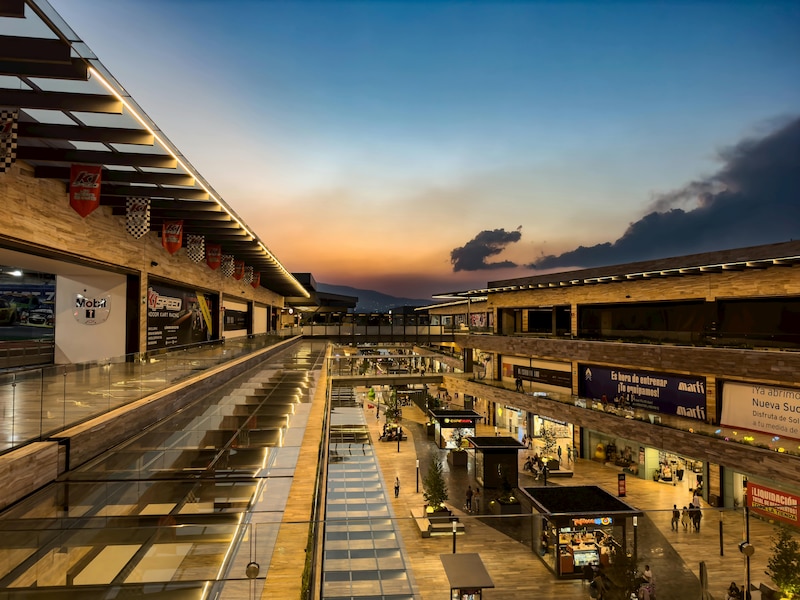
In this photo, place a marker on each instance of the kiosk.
(467, 576)
(495, 459)
(447, 424)
(580, 527)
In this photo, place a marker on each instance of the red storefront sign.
(84, 188)
(772, 503)
(172, 236)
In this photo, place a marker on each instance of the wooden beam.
(62, 173)
(76, 70)
(96, 157)
(28, 49)
(77, 133)
(94, 103)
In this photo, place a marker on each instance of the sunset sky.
(414, 147)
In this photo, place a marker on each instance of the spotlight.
(153, 263)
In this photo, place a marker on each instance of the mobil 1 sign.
(762, 408)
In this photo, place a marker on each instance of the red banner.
(172, 236)
(238, 269)
(213, 256)
(256, 280)
(772, 503)
(84, 188)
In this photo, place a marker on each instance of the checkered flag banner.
(8, 138)
(248, 275)
(227, 265)
(196, 248)
(137, 216)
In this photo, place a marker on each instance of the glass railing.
(39, 402)
(728, 434)
(207, 552)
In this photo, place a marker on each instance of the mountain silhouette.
(372, 301)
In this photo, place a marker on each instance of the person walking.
(518, 381)
(676, 517)
(685, 518)
(469, 498)
(569, 454)
(396, 487)
(559, 454)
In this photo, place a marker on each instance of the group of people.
(473, 499)
(534, 465)
(391, 433)
(689, 516)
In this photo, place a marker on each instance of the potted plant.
(434, 489)
(784, 564)
(457, 457)
(506, 503)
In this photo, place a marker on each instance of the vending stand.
(467, 576)
(448, 422)
(580, 527)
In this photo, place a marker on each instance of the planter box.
(457, 458)
(499, 508)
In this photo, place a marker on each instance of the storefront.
(580, 526)
(452, 427)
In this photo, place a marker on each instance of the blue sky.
(372, 142)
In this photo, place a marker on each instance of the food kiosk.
(580, 527)
(467, 576)
(450, 425)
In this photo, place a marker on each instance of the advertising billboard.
(664, 393)
(178, 316)
(762, 408)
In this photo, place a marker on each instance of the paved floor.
(674, 557)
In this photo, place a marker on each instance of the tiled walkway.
(517, 573)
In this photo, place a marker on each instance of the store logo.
(92, 310)
(698, 387)
(158, 302)
(698, 412)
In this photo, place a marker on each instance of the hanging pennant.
(213, 256)
(84, 188)
(227, 265)
(8, 138)
(172, 236)
(238, 269)
(137, 216)
(256, 280)
(195, 247)
(248, 275)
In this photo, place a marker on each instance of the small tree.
(784, 564)
(434, 486)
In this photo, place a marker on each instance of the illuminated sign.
(772, 503)
(596, 521)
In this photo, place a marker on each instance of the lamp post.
(455, 528)
(635, 540)
(418, 476)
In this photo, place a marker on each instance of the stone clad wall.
(39, 220)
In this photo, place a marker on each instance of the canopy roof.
(72, 110)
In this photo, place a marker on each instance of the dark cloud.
(472, 255)
(753, 199)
